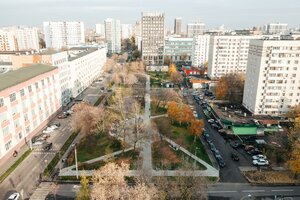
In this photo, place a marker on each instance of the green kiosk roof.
(244, 130)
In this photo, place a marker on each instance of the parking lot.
(232, 154)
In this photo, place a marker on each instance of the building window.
(12, 97)
(20, 135)
(29, 88)
(22, 92)
(1, 102)
(36, 85)
(8, 145)
(43, 82)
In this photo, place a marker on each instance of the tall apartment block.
(272, 82)
(153, 32)
(100, 30)
(113, 35)
(200, 50)
(277, 28)
(8, 41)
(228, 54)
(196, 28)
(63, 34)
(126, 31)
(177, 26)
(137, 32)
(29, 97)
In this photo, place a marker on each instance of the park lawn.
(98, 145)
(166, 158)
(156, 78)
(130, 157)
(158, 111)
(181, 135)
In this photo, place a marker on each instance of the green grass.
(129, 157)
(15, 165)
(98, 145)
(158, 111)
(49, 169)
(181, 135)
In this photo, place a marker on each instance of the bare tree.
(176, 78)
(163, 96)
(109, 183)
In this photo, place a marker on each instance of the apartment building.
(85, 67)
(8, 41)
(63, 34)
(228, 54)
(113, 35)
(177, 25)
(200, 50)
(137, 33)
(277, 28)
(272, 82)
(27, 38)
(194, 29)
(153, 32)
(178, 49)
(126, 31)
(100, 30)
(29, 97)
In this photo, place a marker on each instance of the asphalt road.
(231, 172)
(26, 176)
(232, 191)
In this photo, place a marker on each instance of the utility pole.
(76, 162)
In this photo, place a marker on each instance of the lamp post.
(76, 164)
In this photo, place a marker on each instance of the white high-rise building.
(177, 25)
(27, 38)
(200, 50)
(63, 34)
(228, 54)
(100, 30)
(8, 41)
(196, 28)
(272, 82)
(277, 28)
(113, 35)
(153, 32)
(126, 31)
(137, 32)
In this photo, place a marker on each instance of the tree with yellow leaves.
(294, 162)
(172, 68)
(196, 128)
(84, 192)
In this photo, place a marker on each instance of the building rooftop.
(15, 77)
(80, 52)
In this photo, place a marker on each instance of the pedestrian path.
(158, 116)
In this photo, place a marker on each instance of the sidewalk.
(5, 166)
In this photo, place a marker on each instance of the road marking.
(229, 191)
(253, 190)
(283, 190)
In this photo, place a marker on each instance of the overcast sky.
(231, 13)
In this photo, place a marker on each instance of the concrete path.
(158, 116)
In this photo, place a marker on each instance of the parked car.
(255, 151)
(48, 130)
(62, 116)
(259, 156)
(216, 126)
(235, 157)
(14, 196)
(212, 146)
(221, 161)
(236, 145)
(260, 162)
(211, 121)
(217, 153)
(249, 147)
(55, 123)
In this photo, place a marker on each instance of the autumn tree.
(176, 77)
(84, 192)
(167, 60)
(196, 128)
(172, 68)
(184, 56)
(110, 184)
(294, 162)
(294, 112)
(180, 112)
(231, 87)
(162, 96)
(205, 66)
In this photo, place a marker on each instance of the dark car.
(254, 152)
(216, 126)
(62, 116)
(235, 157)
(236, 145)
(48, 146)
(221, 162)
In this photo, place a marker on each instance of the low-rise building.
(154, 68)
(29, 97)
(272, 82)
(178, 49)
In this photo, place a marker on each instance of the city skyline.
(233, 14)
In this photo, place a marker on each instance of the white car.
(53, 127)
(260, 162)
(14, 196)
(211, 121)
(259, 156)
(48, 130)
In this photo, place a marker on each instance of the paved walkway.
(158, 116)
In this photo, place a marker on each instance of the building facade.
(8, 41)
(177, 25)
(272, 82)
(126, 31)
(228, 54)
(63, 34)
(194, 29)
(277, 28)
(153, 32)
(85, 67)
(29, 97)
(113, 35)
(137, 32)
(100, 30)
(27, 38)
(200, 50)
(178, 49)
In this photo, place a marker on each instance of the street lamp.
(76, 164)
